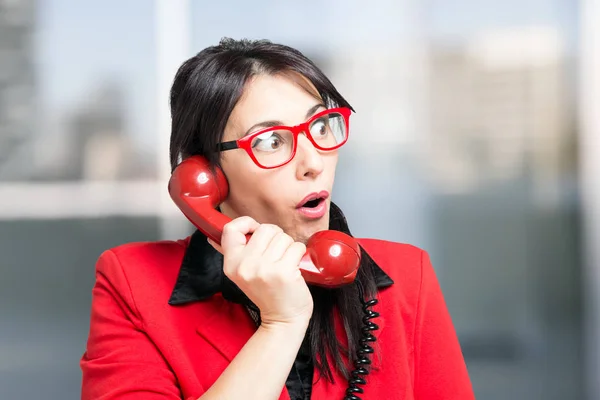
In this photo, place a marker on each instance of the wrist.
(298, 325)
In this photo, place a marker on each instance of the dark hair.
(204, 93)
(208, 86)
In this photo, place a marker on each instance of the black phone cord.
(365, 350)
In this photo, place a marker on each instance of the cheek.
(244, 185)
(249, 185)
(240, 176)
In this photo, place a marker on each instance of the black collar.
(201, 273)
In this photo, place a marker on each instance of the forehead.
(282, 97)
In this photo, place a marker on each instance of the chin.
(305, 229)
(317, 226)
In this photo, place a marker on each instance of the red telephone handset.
(332, 258)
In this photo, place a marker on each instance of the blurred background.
(476, 138)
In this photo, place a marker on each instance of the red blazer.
(140, 347)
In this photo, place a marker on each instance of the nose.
(310, 161)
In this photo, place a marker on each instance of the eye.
(320, 128)
(268, 141)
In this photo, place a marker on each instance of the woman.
(192, 319)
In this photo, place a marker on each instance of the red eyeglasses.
(276, 146)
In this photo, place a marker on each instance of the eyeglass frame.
(245, 143)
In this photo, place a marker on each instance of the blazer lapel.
(227, 328)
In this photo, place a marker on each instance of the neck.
(227, 210)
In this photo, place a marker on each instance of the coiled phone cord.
(365, 350)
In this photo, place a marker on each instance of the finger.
(261, 239)
(294, 254)
(278, 246)
(233, 239)
(215, 245)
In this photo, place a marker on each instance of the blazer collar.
(201, 273)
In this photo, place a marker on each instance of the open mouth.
(313, 203)
(313, 200)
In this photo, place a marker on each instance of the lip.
(315, 212)
(324, 194)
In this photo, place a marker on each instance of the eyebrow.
(269, 124)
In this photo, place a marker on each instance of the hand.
(266, 270)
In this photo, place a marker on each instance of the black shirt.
(201, 276)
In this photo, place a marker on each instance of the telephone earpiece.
(332, 258)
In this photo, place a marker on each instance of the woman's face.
(274, 195)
